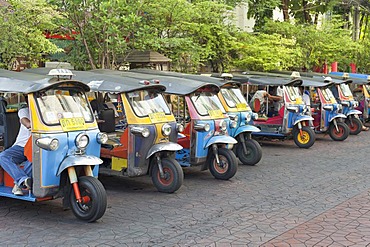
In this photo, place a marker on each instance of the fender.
(302, 118)
(246, 128)
(339, 115)
(168, 146)
(221, 139)
(353, 112)
(78, 160)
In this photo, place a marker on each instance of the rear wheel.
(227, 166)
(253, 154)
(354, 124)
(341, 134)
(305, 137)
(94, 199)
(173, 175)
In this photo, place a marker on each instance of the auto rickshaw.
(241, 116)
(64, 145)
(327, 116)
(147, 143)
(291, 120)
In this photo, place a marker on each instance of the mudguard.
(339, 115)
(78, 160)
(168, 146)
(221, 139)
(303, 118)
(246, 128)
(353, 112)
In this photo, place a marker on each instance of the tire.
(341, 134)
(174, 176)
(306, 139)
(227, 159)
(94, 209)
(354, 124)
(253, 155)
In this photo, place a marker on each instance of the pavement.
(293, 197)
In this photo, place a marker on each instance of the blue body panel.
(202, 138)
(183, 157)
(242, 126)
(7, 192)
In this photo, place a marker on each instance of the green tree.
(22, 26)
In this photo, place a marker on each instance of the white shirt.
(23, 133)
(306, 99)
(279, 104)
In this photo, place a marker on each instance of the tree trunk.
(356, 22)
(306, 13)
(285, 6)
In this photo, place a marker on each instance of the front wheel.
(354, 124)
(305, 137)
(253, 154)
(94, 199)
(227, 166)
(173, 175)
(341, 134)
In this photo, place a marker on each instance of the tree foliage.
(22, 26)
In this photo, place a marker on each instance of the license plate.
(157, 117)
(216, 113)
(242, 107)
(71, 124)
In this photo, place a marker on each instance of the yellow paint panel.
(118, 163)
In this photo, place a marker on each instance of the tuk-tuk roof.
(105, 81)
(274, 81)
(17, 82)
(173, 85)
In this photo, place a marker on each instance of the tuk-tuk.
(291, 120)
(327, 116)
(64, 145)
(205, 138)
(146, 143)
(348, 106)
(241, 116)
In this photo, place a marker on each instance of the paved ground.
(293, 197)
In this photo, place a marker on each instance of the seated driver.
(13, 156)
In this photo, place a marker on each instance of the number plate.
(71, 124)
(157, 117)
(216, 113)
(242, 107)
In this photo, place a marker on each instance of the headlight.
(248, 117)
(233, 124)
(255, 116)
(166, 129)
(144, 132)
(340, 107)
(202, 127)
(180, 128)
(47, 143)
(355, 103)
(223, 125)
(101, 138)
(82, 141)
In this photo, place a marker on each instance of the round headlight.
(101, 138)
(180, 128)
(248, 117)
(233, 124)
(255, 116)
(145, 132)
(207, 127)
(54, 144)
(223, 125)
(236, 118)
(166, 129)
(82, 141)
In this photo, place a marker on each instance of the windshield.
(56, 104)
(207, 103)
(234, 98)
(345, 90)
(293, 93)
(145, 102)
(328, 95)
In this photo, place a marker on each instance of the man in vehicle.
(13, 156)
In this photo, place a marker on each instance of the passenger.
(277, 100)
(262, 95)
(13, 156)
